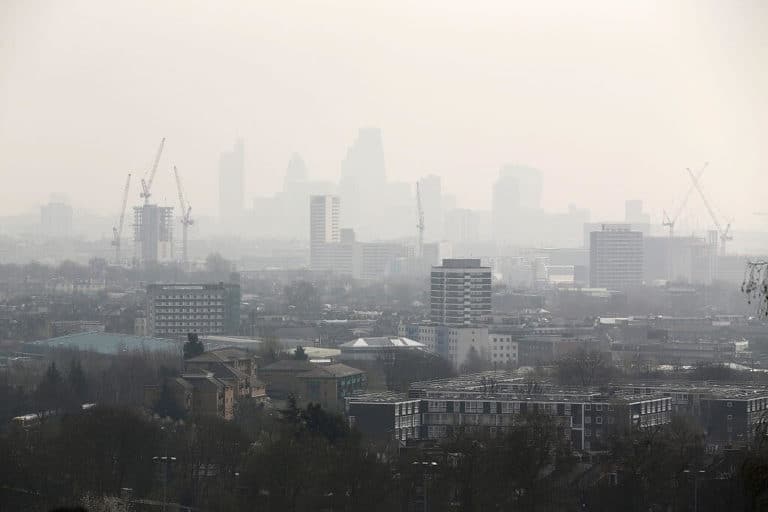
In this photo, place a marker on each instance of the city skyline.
(529, 108)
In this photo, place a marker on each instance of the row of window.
(189, 296)
(407, 408)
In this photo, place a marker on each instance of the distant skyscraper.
(462, 225)
(324, 229)
(517, 215)
(528, 183)
(153, 233)
(232, 182)
(295, 173)
(363, 181)
(365, 158)
(460, 292)
(324, 219)
(634, 215)
(431, 201)
(505, 206)
(615, 257)
(56, 219)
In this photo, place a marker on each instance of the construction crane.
(670, 222)
(146, 185)
(117, 231)
(420, 225)
(186, 217)
(724, 234)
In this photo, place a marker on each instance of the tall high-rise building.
(634, 215)
(363, 182)
(462, 225)
(324, 211)
(232, 182)
(517, 214)
(153, 233)
(56, 219)
(505, 206)
(615, 257)
(460, 292)
(529, 184)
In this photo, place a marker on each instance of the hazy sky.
(610, 99)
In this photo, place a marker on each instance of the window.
(599, 420)
(587, 419)
(587, 407)
(598, 407)
(587, 432)
(473, 407)
(730, 417)
(729, 404)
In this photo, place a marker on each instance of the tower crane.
(668, 221)
(724, 234)
(117, 231)
(146, 185)
(186, 217)
(420, 224)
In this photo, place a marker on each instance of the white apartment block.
(503, 349)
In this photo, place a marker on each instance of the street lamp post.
(165, 460)
(696, 476)
(425, 465)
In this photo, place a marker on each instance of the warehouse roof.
(381, 342)
(110, 343)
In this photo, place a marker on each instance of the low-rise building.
(196, 393)
(378, 348)
(729, 415)
(503, 349)
(454, 343)
(211, 396)
(233, 365)
(324, 384)
(493, 402)
(329, 384)
(385, 416)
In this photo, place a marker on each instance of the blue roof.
(110, 343)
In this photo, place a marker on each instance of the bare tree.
(755, 285)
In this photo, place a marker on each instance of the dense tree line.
(306, 459)
(73, 378)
